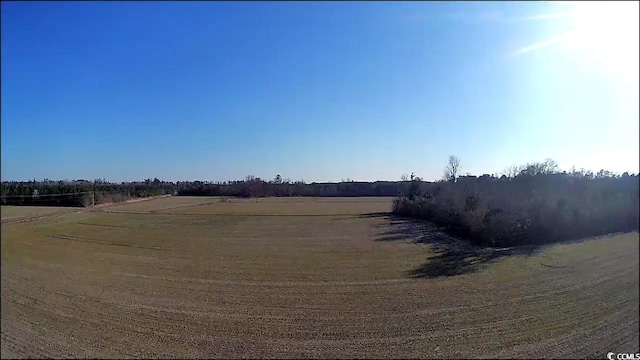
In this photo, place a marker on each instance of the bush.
(527, 209)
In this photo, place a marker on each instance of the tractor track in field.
(99, 207)
(39, 217)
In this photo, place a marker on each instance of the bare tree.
(404, 177)
(512, 171)
(550, 166)
(452, 169)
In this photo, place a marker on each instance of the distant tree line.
(253, 186)
(81, 192)
(530, 204)
(78, 192)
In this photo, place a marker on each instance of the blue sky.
(313, 91)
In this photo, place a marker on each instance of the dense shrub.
(527, 209)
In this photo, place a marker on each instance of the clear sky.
(315, 91)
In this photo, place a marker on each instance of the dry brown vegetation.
(206, 277)
(303, 206)
(18, 213)
(533, 208)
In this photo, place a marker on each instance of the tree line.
(84, 192)
(255, 187)
(534, 203)
(78, 192)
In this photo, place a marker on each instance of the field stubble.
(329, 277)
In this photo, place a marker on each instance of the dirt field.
(14, 213)
(260, 206)
(202, 277)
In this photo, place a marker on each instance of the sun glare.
(607, 32)
(604, 33)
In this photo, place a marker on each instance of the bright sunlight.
(608, 31)
(604, 32)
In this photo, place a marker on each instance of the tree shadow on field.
(451, 256)
(385, 215)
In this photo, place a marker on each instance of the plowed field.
(290, 278)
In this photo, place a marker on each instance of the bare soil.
(210, 279)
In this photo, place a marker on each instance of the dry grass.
(261, 206)
(175, 280)
(19, 212)
(164, 203)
